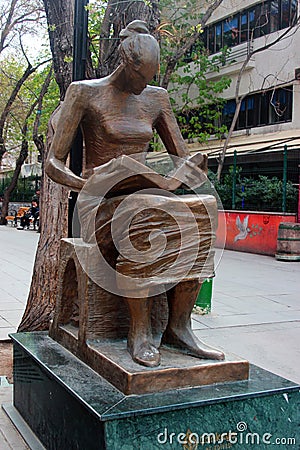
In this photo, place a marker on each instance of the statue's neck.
(118, 78)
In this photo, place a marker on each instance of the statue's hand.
(192, 172)
(58, 171)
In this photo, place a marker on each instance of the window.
(242, 115)
(263, 108)
(294, 12)
(250, 119)
(204, 119)
(266, 17)
(266, 108)
(244, 27)
(231, 31)
(262, 22)
(274, 16)
(211, 40)
(281, 105)
(285, 13)
(228, 112)
(251, 22)
(218, 37)
(247, 115)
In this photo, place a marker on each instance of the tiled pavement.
(17, 250)
(256, 310)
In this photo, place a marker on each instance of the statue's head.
(140, 55)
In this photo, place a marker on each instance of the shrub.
(261, 194)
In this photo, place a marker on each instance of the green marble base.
(69, 406)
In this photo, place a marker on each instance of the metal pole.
(234, 180)
(284, 179)
(79, 62)
(24, 188)
(243, 198)
(298, 215)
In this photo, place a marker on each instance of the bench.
(13, 220)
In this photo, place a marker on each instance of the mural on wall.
(254, 232)
(245, 230)
(242, 227)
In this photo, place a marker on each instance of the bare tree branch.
(38, 139)
(8, 26)
(184, 48)
(117, 16)
(31, 14)
(3, 117)
(19, 163)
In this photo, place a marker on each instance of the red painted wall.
(248, 231)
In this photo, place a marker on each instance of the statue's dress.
(149, 236)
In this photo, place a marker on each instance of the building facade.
(266, 34)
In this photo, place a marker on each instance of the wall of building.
(249, 231)
(267, 69)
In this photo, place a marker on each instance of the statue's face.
(137, 78)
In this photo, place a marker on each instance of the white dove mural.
(242, 227)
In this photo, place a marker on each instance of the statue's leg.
(178, 333)
(139, 341)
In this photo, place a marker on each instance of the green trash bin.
(204, 297)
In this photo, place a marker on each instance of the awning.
(243, 144)
(248, 144)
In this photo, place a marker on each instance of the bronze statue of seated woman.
(117, 115)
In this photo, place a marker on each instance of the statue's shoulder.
(159, 92)
(84, 85)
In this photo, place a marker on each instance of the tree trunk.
(53, 226)
(42, 295)
(54, 198)
(117, 16)
(60, 19)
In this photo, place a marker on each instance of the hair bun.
(134, 27)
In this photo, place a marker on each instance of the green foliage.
(259, 194)
(12, 70)
(25, 189)
(50, 100)
(196, 99)
(96, 13)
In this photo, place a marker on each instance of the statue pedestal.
(68, 405)
(112, 360)
(93, 325)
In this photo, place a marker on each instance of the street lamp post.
(80, 41)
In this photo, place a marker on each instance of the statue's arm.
(65, 128)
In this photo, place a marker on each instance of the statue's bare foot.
(145, 354)
(185, 341)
